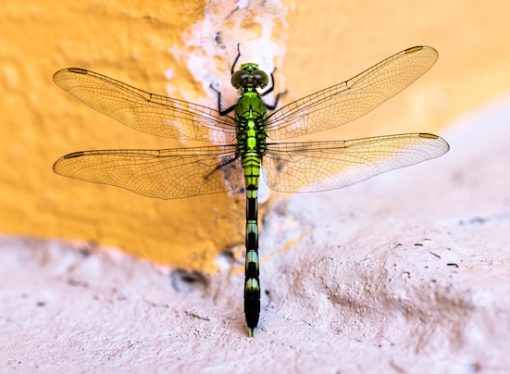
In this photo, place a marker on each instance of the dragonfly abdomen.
(250, 116)
(251, 165)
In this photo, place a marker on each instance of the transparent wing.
(145, 111)
(346, 101)
(165, 174)
(324, 166)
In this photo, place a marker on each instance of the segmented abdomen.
(251, 164)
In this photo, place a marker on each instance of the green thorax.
(250, 106)
(250, 110)
(251, 119)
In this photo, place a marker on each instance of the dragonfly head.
(249, 77)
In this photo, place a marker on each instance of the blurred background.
(178, 48)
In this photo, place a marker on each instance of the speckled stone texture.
(407, 273)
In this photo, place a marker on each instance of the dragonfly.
(249, 138)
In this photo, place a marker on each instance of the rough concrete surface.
(407, 272)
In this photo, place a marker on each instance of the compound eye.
(261, 77)
(238, 77)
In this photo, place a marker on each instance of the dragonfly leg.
(269, 89)
(223, 112)
(221, 165)
(277, 98)
(232, 69)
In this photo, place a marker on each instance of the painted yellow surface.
(135, 41)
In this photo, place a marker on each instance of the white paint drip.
(169, 74)
(264, 191)
(210, 47)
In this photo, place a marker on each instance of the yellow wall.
(317, 43)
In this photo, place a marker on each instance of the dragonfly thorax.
(249, 77)
(250, 118)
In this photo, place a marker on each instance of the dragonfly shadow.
(187, 281)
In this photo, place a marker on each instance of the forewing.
(346, 101)
(324, 166)
(165, 174)
(145, 111)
